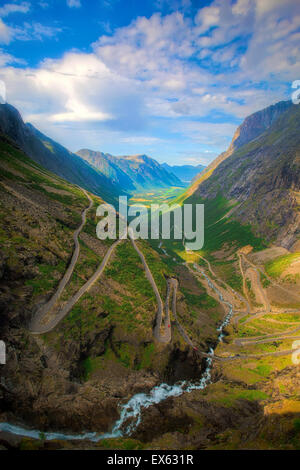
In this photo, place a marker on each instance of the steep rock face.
(53, 156)
(257, 123)
(251, 128)
(261, 170)
(133, 171)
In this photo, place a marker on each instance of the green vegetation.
(219, 231)
(228, 395)
(120, 444)
(296, 423)
(127, 267)
(156, 196)
(277, 266)
(264, 280)
(147, 357)
(228, 271)
(201, 300)
(37, 176)
(263, 370)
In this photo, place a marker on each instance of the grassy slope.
(119, 309)
(269, 379)
(120, 303)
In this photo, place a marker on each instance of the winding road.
(41, 329)
(264, 338)
(162, 330)
(167, 335)
(35, 325)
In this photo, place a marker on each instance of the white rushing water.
(131, 412)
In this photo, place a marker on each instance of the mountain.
(252, 126)
(184, 172)
(133, 172)
(260, 172)
(53, 156)
(104, 351)
(76, 377)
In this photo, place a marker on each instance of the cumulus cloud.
(173, 71)
(9, 8)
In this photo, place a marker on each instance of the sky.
(169, 78)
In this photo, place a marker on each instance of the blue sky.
(170, 78)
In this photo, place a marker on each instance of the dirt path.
(35, 325)
(255, 340)
(258, 289)
(244, 283)
(70, 304)
(162, 331)
(278, 286)
(167, 335)
(237, 294)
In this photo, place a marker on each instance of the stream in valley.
(131, 412)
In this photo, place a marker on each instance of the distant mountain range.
(132, 172)
(260, 171)
(53, 156)
(102, 174)
(185, 173)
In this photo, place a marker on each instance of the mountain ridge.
(261, 172)
(251, 128)
(53, 156)
(136, 172)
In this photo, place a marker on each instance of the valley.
(105, 337)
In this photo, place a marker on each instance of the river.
(131, 412)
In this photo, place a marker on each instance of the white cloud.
(163, 74)
(109, 3)
(208, 17)
(6, 59)
(141, 140)
(206, 134)
(74, 3)
(9, 8)
(33, 32)
(242, 7)
(5, 33)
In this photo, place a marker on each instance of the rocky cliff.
(261, 172)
